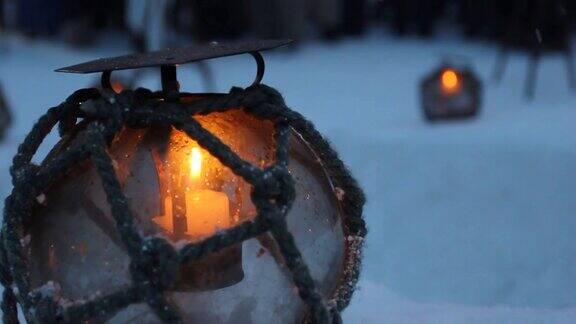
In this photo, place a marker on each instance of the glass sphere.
(177, 190)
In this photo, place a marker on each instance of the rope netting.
(154, 262)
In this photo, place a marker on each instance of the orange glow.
(450, 82)
(207, 210)
(195, 163)
(117, 87)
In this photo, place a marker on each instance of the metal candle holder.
(154, 262)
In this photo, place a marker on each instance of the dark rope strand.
(282, 137)
(119, 205)
(223, 239)
(218, 149)
(32, 142)
(300, 273)
(16, 208)
(44, 125)
(56, 168)
(354, 198)
(9, 309)
(124, 221)
(162, 307)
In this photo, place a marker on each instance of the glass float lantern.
(450, 92)
(171, 207)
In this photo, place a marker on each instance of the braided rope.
(154, 262)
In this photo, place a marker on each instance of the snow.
(470, 222)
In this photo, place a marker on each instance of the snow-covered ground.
(470, 222)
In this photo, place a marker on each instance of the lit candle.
(207, 211)
(449, 81)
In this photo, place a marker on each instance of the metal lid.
(175, 56)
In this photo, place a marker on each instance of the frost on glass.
(168, 178)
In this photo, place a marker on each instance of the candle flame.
(449, 80)
(195, 163)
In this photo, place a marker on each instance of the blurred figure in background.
(219, 19)
(75, 20)
(295, 19)
(149, 21)
(146, 23)
(485, 18)
(354, 17)
(419, 14)
(536, 27)
(38, 17)
(152, 23)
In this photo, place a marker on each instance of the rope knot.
(100, 108)
(270, 94)
(262, 101)
(276, 190)
(134, 101)
(158, 265)
(48, 311)
(46, 300)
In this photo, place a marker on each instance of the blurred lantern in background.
(177, 207)
(450, 92)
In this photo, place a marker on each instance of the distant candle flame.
(195, 163)
(449, 80)
(117, 87)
